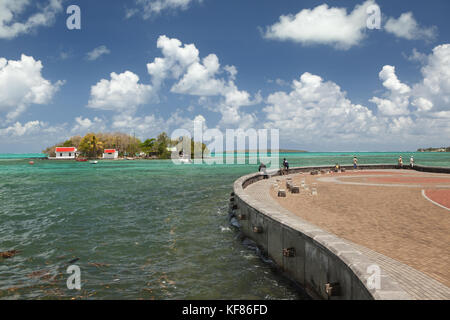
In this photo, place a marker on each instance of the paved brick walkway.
(419, 285)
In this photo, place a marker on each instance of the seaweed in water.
(8, 254)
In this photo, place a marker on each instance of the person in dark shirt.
(262, 167)
(286, 165)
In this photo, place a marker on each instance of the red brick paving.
(441, 196)
(408, 180)
(395, 221)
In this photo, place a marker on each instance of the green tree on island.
(90, 146)
(68, 143)
(148, 146)
(163, 142)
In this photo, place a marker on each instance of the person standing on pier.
(400, 162)
(355, 162)
(286, 165)
(263, 168)
(411, 161)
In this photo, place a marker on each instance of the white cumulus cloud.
(397, 101)
(123, 93)
(144, 126)
(83, 125)
(317, 115)
(22, 84)
(318, 111)
(200, 79)
(203, 77)
(433, 92)
(177, 57)
(430, 97)
(322, 25)
(407, 27)
(18, 129)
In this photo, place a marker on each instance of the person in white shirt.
(400, 162)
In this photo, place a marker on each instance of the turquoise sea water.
(140, 229)
(21, 155)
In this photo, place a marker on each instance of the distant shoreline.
(262, 151)
(18, 156)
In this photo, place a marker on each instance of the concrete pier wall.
(326, 266)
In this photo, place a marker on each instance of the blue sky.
(311, 69)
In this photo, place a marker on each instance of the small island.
(121, 146)
(431, 149)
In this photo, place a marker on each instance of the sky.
(329, 75)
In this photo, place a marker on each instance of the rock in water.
(235, 223)
(8, 254)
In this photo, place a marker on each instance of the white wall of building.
(114, 155)
(65, 155)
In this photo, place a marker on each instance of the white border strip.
(440, 205)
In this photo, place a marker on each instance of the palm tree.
(90, 145)
(148, 145)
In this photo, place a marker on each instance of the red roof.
(65, 149)
(110, 150)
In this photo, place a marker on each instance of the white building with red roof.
(65, 152)
(110, 154)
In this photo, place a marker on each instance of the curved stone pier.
(327, 266)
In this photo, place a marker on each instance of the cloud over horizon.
(339, 85)
(317, 110)
(314, 110)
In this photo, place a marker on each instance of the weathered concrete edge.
(318, 248)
